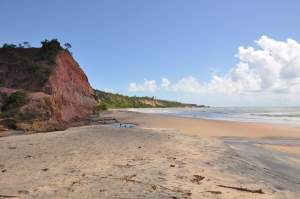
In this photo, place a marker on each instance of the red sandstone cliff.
(62, 96)
(70, 89)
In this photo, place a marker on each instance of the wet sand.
(284, 149)
(150, 161)
(251, 157)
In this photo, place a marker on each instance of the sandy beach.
(208, 128)
(162, 157)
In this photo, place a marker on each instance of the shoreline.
(206, 127)
(217, 120)
(224, 119)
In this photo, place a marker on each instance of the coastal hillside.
(112, 100)
(42, 89)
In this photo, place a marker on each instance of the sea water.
(280, 115)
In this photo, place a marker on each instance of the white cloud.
(165, 83)
(148, 85)
(272, 68)
(188, 84)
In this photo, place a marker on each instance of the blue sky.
(118, 42)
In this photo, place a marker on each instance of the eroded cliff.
(42, 89)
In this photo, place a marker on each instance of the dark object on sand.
(197, 179)
(154, 187)
(214, 192)
(23, 192)
(172, 165)
(7, 196)
(260, 191)
(107, 120)
(122, 125)
(45, 169)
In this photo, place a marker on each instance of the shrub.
(103, 107)
(14, 101)
(9, 46)
(10, 123)
(27, 115)
(68, 46)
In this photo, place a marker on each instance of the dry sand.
(171, 159)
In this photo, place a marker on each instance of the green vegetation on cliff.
(28, 66)
(11, 108)
(111, 100)
(14, 101)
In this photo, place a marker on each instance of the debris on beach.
(197, 179)
(127, 165)
(124, 125)
(260, 191)
(28, 156)
(23, 192)
(154, 187)
(7, 196)
(214, 192)
(128, 178)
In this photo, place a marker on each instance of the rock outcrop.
(37, 94)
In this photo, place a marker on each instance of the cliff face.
(70, 89)
(39, 96)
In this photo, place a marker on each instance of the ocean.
(277, 115)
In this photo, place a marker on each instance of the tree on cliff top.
(53, 44)
(50, 49)
(68, 46)
(8, 46)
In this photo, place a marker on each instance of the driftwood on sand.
(260, 191)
